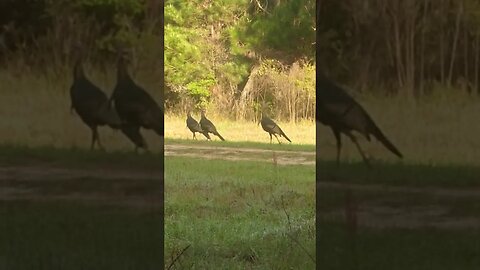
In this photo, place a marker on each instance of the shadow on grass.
(413, 249)
(397, 216)
(59, 235)
(80, 209)
(399, 174)
(24, 155)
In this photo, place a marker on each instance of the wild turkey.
(133, 104)
(91, 104)
(272, 128)
(208, 127)
(133, 133)
(194, 127)
(339, 111)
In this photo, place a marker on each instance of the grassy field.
(243, 133)
(404, 216)
(71, 235)
(432, 131)
(397, 248)
(239, 215)
(417, 213)
(35, 110)
(76, 209)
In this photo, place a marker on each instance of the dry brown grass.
(300, 133)
(35, 110)
(435, 130)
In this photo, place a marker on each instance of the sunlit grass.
(432, 131)
(302, 132)
(35, 111)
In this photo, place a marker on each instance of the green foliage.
(193, 63)
(213, 39)
(119, 6)
(184, 68)
(199, 90)
(182, 57)
(235, 71)
(50, 29)
(200, 13)
(289, 28)
(307, 80)
(209, 45)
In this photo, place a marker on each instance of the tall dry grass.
(441, 129)
(35, 108)
(286, 92)
(302, 132)
(35, 81)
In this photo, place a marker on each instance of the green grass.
(77, 157)
(60, 235)
(400, 174)
(416, 217)
(414, 249)
(234, 214)
(76, 221)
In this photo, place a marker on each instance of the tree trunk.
(455, 41)
(246, 93)
(398, 49)
(422, 50)
(466, 61)
(477, 58)
(442, 44)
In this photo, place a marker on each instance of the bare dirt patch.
(43, 182)
(397, 212)
(437, 191)
(249, 154)
(45, 171)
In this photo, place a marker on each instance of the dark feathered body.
(194, 127)
(91, 104)
(134, 105)
(339, 111)
(272, 128)
(133, 133)
(208, 127)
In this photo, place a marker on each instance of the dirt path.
(385, 208)
(94, 185)
(54, 172)
(280, 157)
(435, 191)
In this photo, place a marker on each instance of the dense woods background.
(409, 47)
(41, 32)
(226, 55)
(231, 56)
